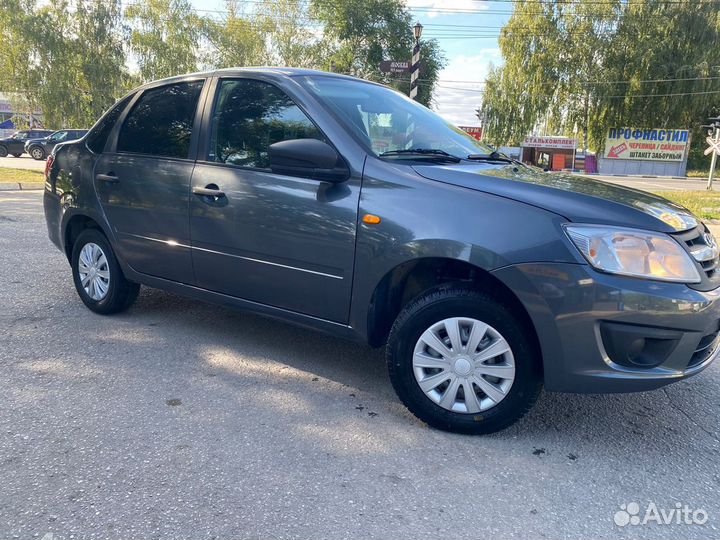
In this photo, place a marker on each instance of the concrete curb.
(21, 186)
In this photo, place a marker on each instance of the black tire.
(3, 151)
(121, 293)
(455, 300)
(17, 154)
(37, 153)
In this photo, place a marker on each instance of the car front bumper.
(600, 333)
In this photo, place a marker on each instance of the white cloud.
(433, 5)
(457, 94)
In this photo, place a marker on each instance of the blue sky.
(467, 32)
(471, 46)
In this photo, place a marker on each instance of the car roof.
(270, 72)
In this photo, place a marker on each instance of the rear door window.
(161, 122)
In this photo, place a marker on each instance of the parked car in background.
(15, 144)
(41, 148)
(344, 206)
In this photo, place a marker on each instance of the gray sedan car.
(345, 207)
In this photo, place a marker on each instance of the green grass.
(21, 175)
(704, 204)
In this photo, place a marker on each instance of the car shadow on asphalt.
(218, 331)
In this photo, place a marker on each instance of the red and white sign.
(714, 146)
(475, 131)
(565, 143)
(616, 151)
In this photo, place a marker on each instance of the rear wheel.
(17, 154)
(461, 361)
(97, 275)
(37, 153)
(3, 151)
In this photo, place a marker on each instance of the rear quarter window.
(99, 134)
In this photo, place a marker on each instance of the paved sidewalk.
(24, 186)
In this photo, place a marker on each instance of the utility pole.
(415, 67)
(713, 140)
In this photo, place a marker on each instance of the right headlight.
(632, 252)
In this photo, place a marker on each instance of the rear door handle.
(111, 178)
(211, 190)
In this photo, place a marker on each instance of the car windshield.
(390, 123)
(18, 135)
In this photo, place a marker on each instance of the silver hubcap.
(464, 365)
(37, 153)
(94, 271)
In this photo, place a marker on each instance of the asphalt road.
(181, 419)
(659, 183)
(23, 162)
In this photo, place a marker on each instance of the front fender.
(423, 218)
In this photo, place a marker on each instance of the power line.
(630, 81)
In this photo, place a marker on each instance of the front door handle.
(110, 178)
(211, 190)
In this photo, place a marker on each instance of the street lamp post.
(415, 68)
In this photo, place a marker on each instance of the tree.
(15, 48)
(164, 37)
(550, 50)
(236, 40)
(582, 67)
(66, 58)
(101, 59)
(361, 33)
(292, 37)
(665, 48)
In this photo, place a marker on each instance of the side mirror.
(308, 158)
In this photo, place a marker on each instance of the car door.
(17, 145)
(143, 179)
(279, 240)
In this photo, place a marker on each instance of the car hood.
(578, 198)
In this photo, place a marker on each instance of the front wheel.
(97, 275)
(36, 152)
(461, 361)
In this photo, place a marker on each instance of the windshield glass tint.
(387, 120)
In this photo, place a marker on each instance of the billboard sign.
(565, 143)
(646, 144)
(474, 131)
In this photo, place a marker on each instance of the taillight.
(48, 166)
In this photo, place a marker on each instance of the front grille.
(701, 245)
(705, 349)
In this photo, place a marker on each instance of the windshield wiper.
(492, 156)
(425, 152)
